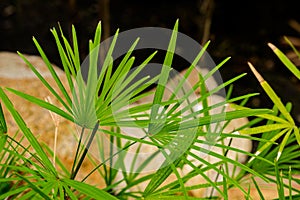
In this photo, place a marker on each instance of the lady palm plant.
(281, 128)
(96, 105)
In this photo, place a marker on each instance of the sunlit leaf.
(285, 60)
(28, 134)
(273, 96)
(89, 190)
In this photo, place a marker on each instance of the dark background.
(240, 29)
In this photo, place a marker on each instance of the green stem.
(82, 157)
(218, 174)
(77, 152)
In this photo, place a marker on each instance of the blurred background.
(240, 29)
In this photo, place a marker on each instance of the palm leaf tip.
(272, 46)
(255, 72)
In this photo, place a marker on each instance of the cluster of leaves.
(97, 103)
